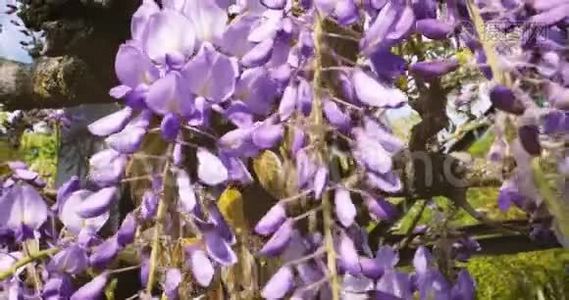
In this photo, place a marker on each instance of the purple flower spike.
(127, 231)
(267, 135)
(272, 220)
(349, 255)
(93, 289)
(345, 208)
(279, 285)
(211, 170)
(279, 241)
(433, 69)
(372, 92)
(72, 260)
(97, 203)
(218, 249)
(112, 123)
(186, 194)
(434, 29)
(104, 253)
(172, 283)
(529, 138)
(504, 99)
(201, 267)
(259, 55)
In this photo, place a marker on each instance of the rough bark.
(48, 83)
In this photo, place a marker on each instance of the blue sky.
(10, 37)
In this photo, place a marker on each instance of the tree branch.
(49, 83)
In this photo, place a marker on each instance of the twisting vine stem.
(158, 227)
(317, 138)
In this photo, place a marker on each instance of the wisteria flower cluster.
(299, 90)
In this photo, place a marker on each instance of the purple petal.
(218, 249)
(552, 16)
(422, 260)
(274, 4)
(387, 65)
(345, 209)
(424, 8)
(150, 205)
(380, 208)
(208, 19)
(104, 253)
(70, 186)
(71, 219)
(128, 140)
(305, 168)
(107, 167)
(167, 96)
(464, 289)
(97, 203)
(271, 221)
(433, 69)
(172, 282)
(57, 287)
(211, 74)
(434, 29)
(133, 67)
(267, 135)
(93, 289)
(186, 195)
(395, 284)
(320, 180)
(258, 55)
(23, 209)
(112, 123)
(239, 114)
(371, 154)
(25, 174)
(304, 97)
(141, 16)
(504, 99)
(335, 116)
(170, 127)
(279, 241)
(211, 170)
(349, 255)
(257, 90)
(529, 138)
(201, 267)
(298, 141)
(279, 285)
(168, 32)
(288, 102)
(388, 182)
(373, 93)
(72, 260)
(127, 231)
(178, 155)
(346, 12)
(218, 220)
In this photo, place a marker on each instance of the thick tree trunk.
(49, 83)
